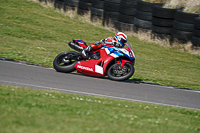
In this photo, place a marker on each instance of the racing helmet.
(121, 38)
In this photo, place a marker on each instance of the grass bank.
(26, 110)
(36, 33)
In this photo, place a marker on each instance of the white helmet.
(121, 38)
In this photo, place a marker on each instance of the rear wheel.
(65, 62)
(115, 72)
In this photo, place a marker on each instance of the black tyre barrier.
(128, 7)
(162, 22)
(110, 18)
(97, 10)
(142, 23)
(128, 11)
(84, 7)
(182, 36)
(195, 41)
(186, 26)
(197, 23)
(112, 7)
(71, 4)
(127, 14)
(185, 17)
(196, 33)
(162, 30)
(98, 4)
(86, 1)
(114, 1)
(96, 14)
(183, 26)
(59, 4)
(124, 26)
(143, 15)
(126, 18)
(164, 13)
(128, 4)
(146, 6)
(111, 11)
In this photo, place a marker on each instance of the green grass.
(34, 33)
(26, 110)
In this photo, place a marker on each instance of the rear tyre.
(65, 62)
(115, 72)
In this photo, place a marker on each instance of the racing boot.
(85, 52)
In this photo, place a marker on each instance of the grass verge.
(26, 110)
(36, 33)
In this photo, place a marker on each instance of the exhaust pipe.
(75, 46)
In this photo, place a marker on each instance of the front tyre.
(65, 62)
(115, 72)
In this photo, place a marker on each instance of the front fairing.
(121, 52)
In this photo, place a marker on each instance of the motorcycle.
(116, 63)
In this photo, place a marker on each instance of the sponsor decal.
(98, 69)
(85, 68)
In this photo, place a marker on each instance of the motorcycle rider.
(118, 40)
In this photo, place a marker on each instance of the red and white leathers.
(118, 41)
(108, 41)
(97, 45)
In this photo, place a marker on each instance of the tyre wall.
(126, 15)
(143, 16)
(59, 4)
(183, 26)
(196, 33)
(162, 22)
(84, 6)
(97, 10)
(71, 4)
(111, 12)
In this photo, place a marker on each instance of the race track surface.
(35, 77)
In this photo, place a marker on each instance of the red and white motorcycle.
(116, 63)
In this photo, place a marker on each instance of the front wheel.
(65, 62)
(115, 72)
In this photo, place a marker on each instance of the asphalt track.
(35, 77)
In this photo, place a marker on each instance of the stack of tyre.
(196, 33)
(126, 15)
(71, 4)
(59, 4)
(183, 26)
(162, 22)
(84, 6)
(97, 10)
(111, 12)
(143, 16)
